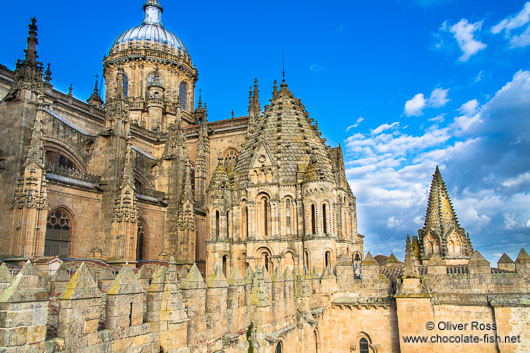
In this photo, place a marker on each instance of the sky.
(403, 86)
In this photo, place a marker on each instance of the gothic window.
(363, 345)
(58, 232)
(217, 224)
(327, 257)
(430, 245)
(265, 259)
(278, 348)
(230, 156)
(183, 95)
(60, 159)
(140, 240)
(288, 216)
(324, 219)
(125, 85)
(313, 220)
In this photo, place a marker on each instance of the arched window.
(313, 221)
(125, 85)
(58, 232)
(327, 257)
(264, 215)
(244, 220)
(288, 216)
(278, 348)
(225, 265)
(60, 159)
(228, 223)
(183, 95)
(140, 240)
(324, 219)
(217, 224)
(363, 345)
(306, 260)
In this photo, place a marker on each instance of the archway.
(58, 233)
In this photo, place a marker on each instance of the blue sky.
(402, 85)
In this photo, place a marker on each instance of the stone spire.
(203, 162)
(410, 269)
(95, 99)
(440, 215)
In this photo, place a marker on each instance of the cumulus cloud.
(464, 33)
(414, 106)
(437, 99)
(483, 154)
(359, 120)
(516, 28)
(470, 107)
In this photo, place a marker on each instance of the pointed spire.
(31, 50)
(440, 215)
(523, 257)
(232, 113)
(95, 99)
(81, 286)
(106, 275)
(48, 75)
(61, 275)
(125, 283)
(369, 260)
(236, 278)
(275, 90)
(410, 269)
(194, 279)
(217, 278)
(28, 285)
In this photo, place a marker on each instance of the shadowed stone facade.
(240, 235)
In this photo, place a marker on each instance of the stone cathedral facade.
(242, 232)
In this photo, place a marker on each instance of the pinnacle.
(523, 257)
(505, 259)
(81, 286)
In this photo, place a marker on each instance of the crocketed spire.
(440, 215)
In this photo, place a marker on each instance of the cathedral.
(133, 224)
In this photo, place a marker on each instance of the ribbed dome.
(152, 30)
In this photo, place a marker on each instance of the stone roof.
(440, 215)
(286, 130)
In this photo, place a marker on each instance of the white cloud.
(464, 33)
(359, 120)
(519, 22)
(438, 119)
(469, 108)
(414, 106)
(518, 180)
(515, 21)
(384, 127)
(393, 222)
(437, 99)
(479, 76)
